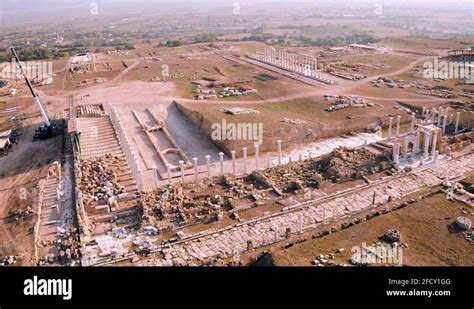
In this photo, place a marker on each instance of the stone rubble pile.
(83, 111)
(179, 205)
(11, 259)
(469, 236)
(324, 260)
(239, 111)
(343, 101)
(294, 176)
(22, 214)
(236, 92)
(293, 121)
(99, 179)
(346, 70)
(345, 164)
(392, 236)
(172, 204)
(67, 248)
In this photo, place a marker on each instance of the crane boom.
(35, 95)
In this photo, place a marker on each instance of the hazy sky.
(13, 11)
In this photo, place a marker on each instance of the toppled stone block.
(392, 236)
(463, 223)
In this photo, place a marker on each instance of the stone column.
(256, 157)
(233, 162)
(168, 172)
(433, 113)
(445, 120)
(394, 152)
(405, 147)
(279, 152)
(195, 161)
(456, 127)
(221, 160)
(426, 145)
(156, 177)
(398, 125)
(208, 164)
(413, 120)
(396, 149)
(390, 123)
(245, 159)
(181, 167)
(416, 145)
(435, 140)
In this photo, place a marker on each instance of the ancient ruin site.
(220, 133)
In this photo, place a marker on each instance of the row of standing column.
(221, 164)
(293, 62)
(442, 122)
(439, 117)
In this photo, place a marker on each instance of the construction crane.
(47, 129)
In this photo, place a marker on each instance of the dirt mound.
(294, 176)
(345, 164)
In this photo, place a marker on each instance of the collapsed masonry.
(343, 101)
(179, 205)
(341, 165)
(99, 182)
(348, 164)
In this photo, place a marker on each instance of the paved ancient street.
(264, 231)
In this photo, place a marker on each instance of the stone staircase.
(98, 138)
(49, 213)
